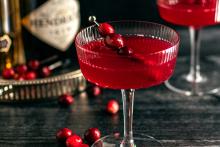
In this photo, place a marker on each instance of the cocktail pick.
(93, 19)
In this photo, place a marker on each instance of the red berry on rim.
(63, 134)
(105, 29)
(8, 73)
(66, 100)
(112, 106)
(91, 135)
(114, 40)
(33, 64)
(74, 141)
(21, 69)
(45, 71)
(31, 75)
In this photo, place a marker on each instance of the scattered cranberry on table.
(63, 134)
(112, 106)
(94, 91)
(91, 135)
(74, 141)
(66, 100)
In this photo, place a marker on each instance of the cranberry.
(63, 134)
(91, 135)
(45, 71)
(112, 106)
(8, 73)
(31, 75)
(21, 69)
(94, 91)
(74, 141)
(125, 51)
(66, 100)
(114, 41)
(105, 29)
(19, 77)
(33, 64)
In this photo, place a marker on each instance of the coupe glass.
(194, 14)
(157, 46)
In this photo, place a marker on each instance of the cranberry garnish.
(105, 29)
(31, 75)
(74, 141)
(125, 51)
(8, 73)
(94, 91)
(63, 134)
(112, 106)
(33, 64)
(21, 69)
(19, 77)
(66, 100)
(114, 41)
(91, 135)
(45, 71)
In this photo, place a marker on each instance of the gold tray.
(66, 81)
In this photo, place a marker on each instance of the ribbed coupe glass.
(156, 46)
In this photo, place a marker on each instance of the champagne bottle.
(50, 27)
(11, 45)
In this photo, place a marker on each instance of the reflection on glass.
(194, 14)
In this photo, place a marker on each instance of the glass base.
(115, 140)
(206, 82)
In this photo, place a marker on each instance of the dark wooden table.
(173, 119)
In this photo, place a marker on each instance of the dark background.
(111, 10)
(146, 10)
(107, 10)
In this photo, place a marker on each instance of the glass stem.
(194, 75)
(128, 102)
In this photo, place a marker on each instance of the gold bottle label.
(5, 43)
(56, 22)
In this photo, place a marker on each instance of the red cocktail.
(106, 68)
(189, 12)
(154, 51)
(195, 14)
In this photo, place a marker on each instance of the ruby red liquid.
(195, 13)
(103, 66)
